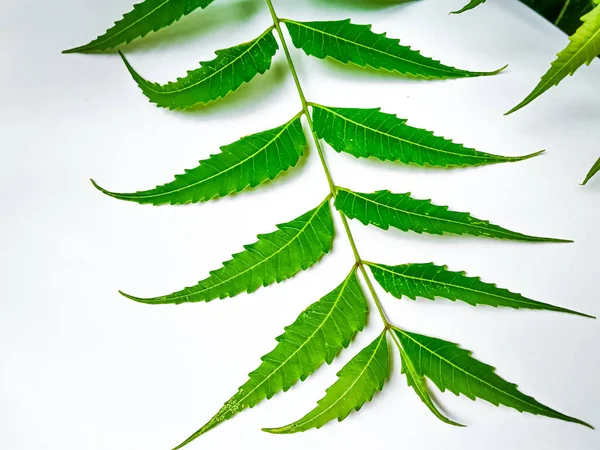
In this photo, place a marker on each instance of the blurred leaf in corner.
(565, 14)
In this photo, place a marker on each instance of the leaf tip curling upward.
(495, 72)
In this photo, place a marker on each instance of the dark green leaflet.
(385, 209)
(147, 16)
(369, 132)
(565, 14)
(430, 281)
(472, 4)
(276, 256)
(358, 382)
(317, 335)
(214, 79)
(419, 384)
(593, 171)
(347, 42)
(453, 368)
(246, 163)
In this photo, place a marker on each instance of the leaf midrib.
(373, 49)
(545, 411)
(191, 186)
(150, 86)
(508, 233)
(300, 232)
(341, 397)
(487, 156)
(329, 314)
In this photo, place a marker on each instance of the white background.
(83, 368)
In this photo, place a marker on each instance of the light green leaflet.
(472, 4)
(358, 381)
(316, 336)
(583, 48)
(214, 79)
(431, 281)
(453, 368)
(347, 42)
(419, 384)
(593, 171)
(385, 209)
(246, 163)
(276, 256)
(369, 132)
(150, 15)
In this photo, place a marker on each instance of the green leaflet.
(214, 79)
(593, 171)
(419, 384)
(369, 132)
(453, 368)
(583, 48)
(358, 381)
(317, 335)
(431, 281)
(150, 15)
(472, 4)
(246, 163)
(276, 256)
(384, 209)
(347, 42)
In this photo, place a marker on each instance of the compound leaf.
(384, 209)
(246, 163)
(583, 48)
(419, 384)
(453, 368)
(316, 336)
(347, 42)
(358, 381)
(276, 256)
(593, 171)
(214, 79)
(431, 281)
(369, 132)
(472, 4)
(150, 15)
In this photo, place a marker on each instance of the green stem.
(332, 188)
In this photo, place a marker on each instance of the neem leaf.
(384, 209)
(150, 15)
(358, 381)
(370, 132)
(347, 42)
(431, 281)
(317, 336)
(583, 48)
(246, 163)
(593, 171)
(276, 256)
(472, 4)
(419, 384)
(214, 79)
(453, 368)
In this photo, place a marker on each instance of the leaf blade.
(231, 68)
(347, 42)
(430, 281)
(468, 376)
(147, 16)
(372, 133)
(358, 382)
(302, 241)
(472, 4)
(246, 163)
(384, 209)
(593, 171)
(583, 47)
(326, 326)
